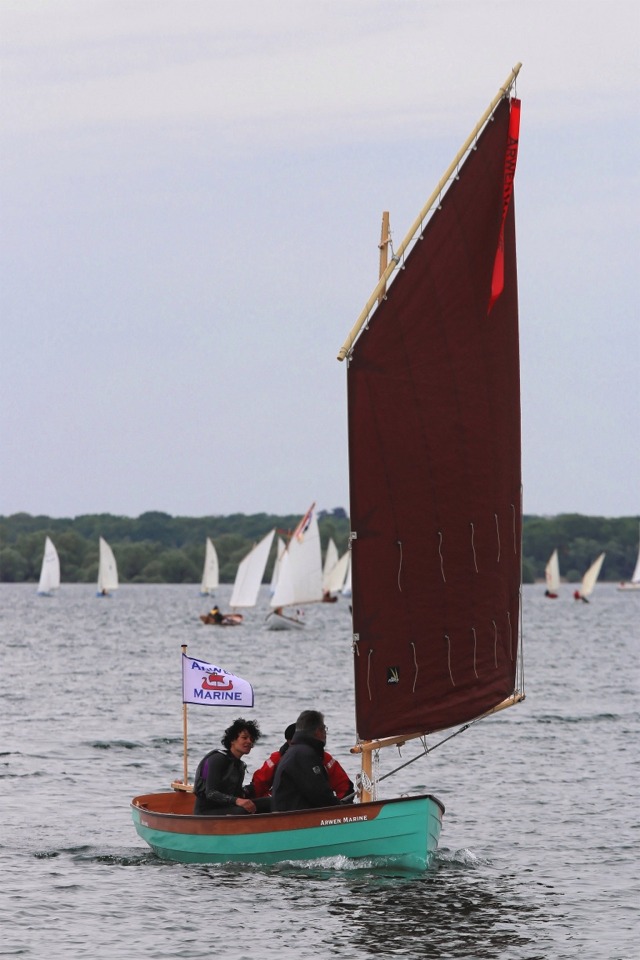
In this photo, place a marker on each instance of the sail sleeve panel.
(434, 455)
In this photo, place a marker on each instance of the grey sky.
(191, 198)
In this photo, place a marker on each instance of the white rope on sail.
(444, 579)
(399, 542)
(475, 647)
(415, 663)
(495, 642)
(498, 535)
(446, 636)
(473, 547)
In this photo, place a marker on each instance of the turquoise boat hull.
(403, 831)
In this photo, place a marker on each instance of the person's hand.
(246, 804)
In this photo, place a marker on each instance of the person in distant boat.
(262, 780)
(218, 783)
(216, 614)
(301, 781)
(578, 596)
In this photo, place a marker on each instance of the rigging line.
(473, 548)
(441, 557)
(399, 542)
(498, 535)
(426, 750)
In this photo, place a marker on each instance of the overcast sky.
(191, 199)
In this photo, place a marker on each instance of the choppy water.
(539, 849)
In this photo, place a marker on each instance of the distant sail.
(552, 573)
(107, 569)
(591, 576)
(210, 572)
(330, 560)
(250, 572)
(50, 570)
(300, 577)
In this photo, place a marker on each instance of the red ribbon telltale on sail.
(511, 157)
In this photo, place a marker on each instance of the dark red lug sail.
(434, 450)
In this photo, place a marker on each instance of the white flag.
(212, 686)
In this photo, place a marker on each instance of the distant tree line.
(158, 548)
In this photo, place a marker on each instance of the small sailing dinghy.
(299, 575)
(552, 576)
(107, 570)
(210, 571)
(634, 583)
(50, 570)
(433, 389)
(589, 580)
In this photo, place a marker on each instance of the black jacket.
(218, 781)
(301, 781)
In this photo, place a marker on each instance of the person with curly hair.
(218, 784)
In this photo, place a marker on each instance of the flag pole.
(418, 222)
(184, 784)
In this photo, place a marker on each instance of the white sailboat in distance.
(300, 575)
(50, 570)
(107, 570)
(552, 576)
(589, 580)
(210, 571)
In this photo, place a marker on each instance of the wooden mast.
(383, 246)
(418, 222)
(184, 783)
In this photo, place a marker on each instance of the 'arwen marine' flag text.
(212, 686)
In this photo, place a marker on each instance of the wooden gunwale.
(168, 812)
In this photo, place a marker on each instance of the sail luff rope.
(418, 223)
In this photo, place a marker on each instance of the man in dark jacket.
(301, 781)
